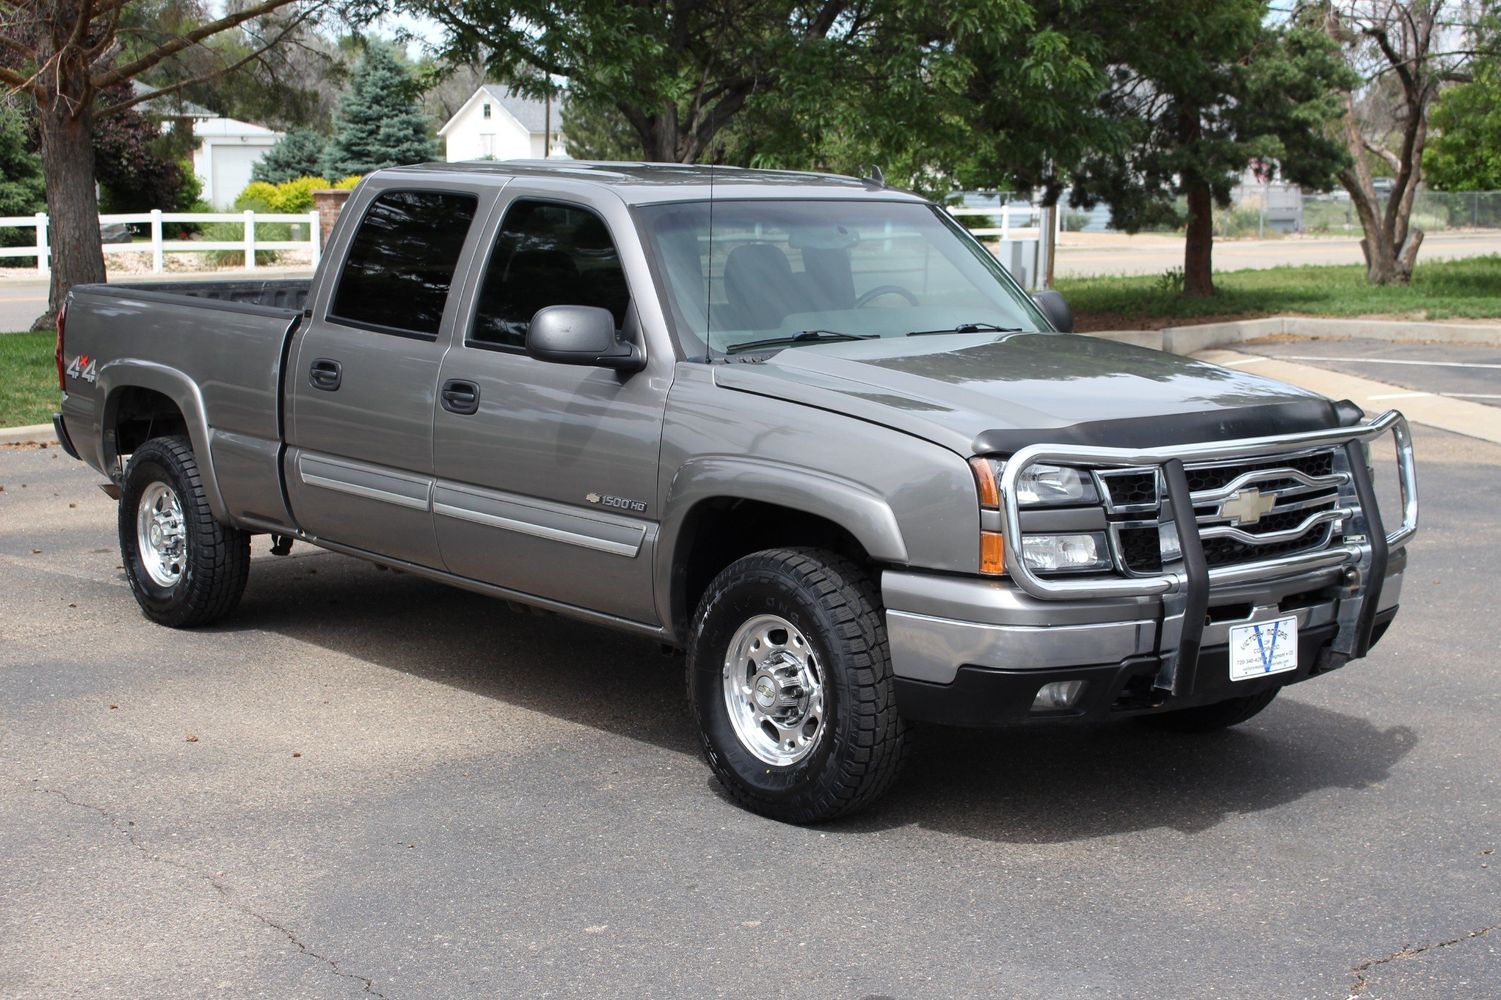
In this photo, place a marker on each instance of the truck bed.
(216, 349)
(281, 293)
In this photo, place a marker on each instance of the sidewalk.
(1460, 416)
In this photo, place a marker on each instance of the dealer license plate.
(1264, 648)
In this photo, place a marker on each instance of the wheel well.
(142, 414)
(724, 529)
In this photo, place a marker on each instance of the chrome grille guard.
(1185, 590)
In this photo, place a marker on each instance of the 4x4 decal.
(82, 367)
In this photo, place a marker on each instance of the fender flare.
(138, 373)
(851, 505)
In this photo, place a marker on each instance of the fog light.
(1057, 696)
(1065, 553)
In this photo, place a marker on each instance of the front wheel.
(1211, 718)
(184, 567)
(789, 676)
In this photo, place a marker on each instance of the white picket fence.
(159, 247)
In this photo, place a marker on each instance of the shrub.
(348, 183)
(293, 197)
(297, 195)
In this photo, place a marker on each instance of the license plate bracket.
(1263, 648)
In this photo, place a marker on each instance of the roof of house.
(530, 112)
(230, 127)
(168, 105)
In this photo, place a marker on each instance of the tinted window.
(547, 255)
(402, 259)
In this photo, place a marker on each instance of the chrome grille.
(1247, 511)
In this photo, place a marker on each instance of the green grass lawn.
(28, 378)
(1449, 289)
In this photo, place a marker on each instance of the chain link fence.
(1432, 212)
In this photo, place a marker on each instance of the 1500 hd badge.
(619, 503)
(82, 367)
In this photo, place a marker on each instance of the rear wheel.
(1210, 718)
(789, 676)
(184, 567)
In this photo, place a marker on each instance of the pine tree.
(379, 123)
(299, 153)
(21, 188)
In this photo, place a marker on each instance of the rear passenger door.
(363, 377)
(546, 474)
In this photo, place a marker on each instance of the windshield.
(775, 274)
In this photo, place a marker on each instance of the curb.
(1207, 336)
(30, 434)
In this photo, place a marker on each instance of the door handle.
(460, 397)
(325, 374)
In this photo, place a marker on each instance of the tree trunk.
(72, 202)
(1198, 249)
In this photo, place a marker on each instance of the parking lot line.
(1446, 412)
(1385, 361)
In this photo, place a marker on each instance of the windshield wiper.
(969, 328)
(804, 337)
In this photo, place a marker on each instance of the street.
(367, 784)
(1089, 254)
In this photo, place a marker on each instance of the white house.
(496, 124)
(227, 150)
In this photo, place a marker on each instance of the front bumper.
(988, 673)
(975, 651)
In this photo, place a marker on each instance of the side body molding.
(851, 505)
(124, 373)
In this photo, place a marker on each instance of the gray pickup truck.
(802, 426)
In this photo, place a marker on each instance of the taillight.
(62, 316)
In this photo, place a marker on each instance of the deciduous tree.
(1205, 89)
(680, 72)
(62, 54)
(1415, 44)
(1465, 154)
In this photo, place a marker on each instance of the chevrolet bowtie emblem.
(1247, 506)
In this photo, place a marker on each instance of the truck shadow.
(1025, 785)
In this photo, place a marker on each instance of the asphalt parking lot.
(1454, 370)
(367, 784)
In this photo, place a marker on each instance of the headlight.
(1073, 553)
(1037, 486)
(1049, 485)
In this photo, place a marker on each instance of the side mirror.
(1055, 309)
(580, 335)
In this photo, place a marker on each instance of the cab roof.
(650, 183)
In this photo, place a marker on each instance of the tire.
(1211, 718)
(834, 741)
(195, 573)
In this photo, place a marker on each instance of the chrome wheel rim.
(161, 535)
(773, 691)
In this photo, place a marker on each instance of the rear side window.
(402, 259)
(547, 254)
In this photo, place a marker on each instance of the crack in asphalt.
(1361, 983)
(126, 828)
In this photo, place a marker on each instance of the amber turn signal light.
(990, 495)
(992, 553)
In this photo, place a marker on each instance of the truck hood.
(992, 393)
